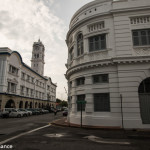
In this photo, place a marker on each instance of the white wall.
(3, 68)
(126, 64)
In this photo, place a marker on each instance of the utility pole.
(68, 106)
(122, 112)
(81, 104)
(81, 115)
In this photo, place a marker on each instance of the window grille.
(102, 78)
(101, 102)
(97, 42)
(141, 37)
(80, 81)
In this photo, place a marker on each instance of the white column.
(75, 49)
(89, 103)
(19, 80)
(86, 45)
(4, 75)
(73, 109)
(73, 83)
(88, 80)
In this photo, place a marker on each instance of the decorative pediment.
(12, 80)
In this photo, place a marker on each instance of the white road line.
(17, 136)
(101, 140)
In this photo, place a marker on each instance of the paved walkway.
(135, 134)
(61, 122)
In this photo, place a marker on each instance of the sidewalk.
(61, 122)
(133, 134)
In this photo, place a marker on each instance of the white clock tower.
(37, 61)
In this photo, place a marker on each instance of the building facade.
(108, 64)
(22, 86)
(37, 61)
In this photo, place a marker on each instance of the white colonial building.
(109, 64)
(22, 86)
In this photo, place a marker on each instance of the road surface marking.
(17, 136)
(101, 140)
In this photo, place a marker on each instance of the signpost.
(121, 112)
(81, 103)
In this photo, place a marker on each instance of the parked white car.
(5, 112)
(25, 114)
(45, 111)
(29, 113)
(15, 113)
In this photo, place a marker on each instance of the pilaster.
(73, 109)
(89, 103)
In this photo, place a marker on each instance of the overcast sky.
(22, 22)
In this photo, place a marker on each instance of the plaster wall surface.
(126, 65)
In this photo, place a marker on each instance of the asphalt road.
(13, 126)
(63, 138)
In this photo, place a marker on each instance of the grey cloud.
(1, 25)
(5, 16)
(15, 29)
(21, 27)
(4, 19)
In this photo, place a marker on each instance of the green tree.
(58, 100)
(64, 104)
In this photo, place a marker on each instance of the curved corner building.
(108, 64)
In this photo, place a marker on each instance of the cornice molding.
(131, 9)
(107, 62)
(112, 12)
(86, 6)
(81, 22)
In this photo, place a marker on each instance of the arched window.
(79, 44)
(30, 104)
(144, 99)
(21, 104)
(26, 104)
(10, 104)
(144, 86)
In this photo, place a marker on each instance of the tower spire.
(39, 40)
(37, 61)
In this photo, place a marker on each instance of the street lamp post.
(68, 105)
(81, 104)
(122, 112)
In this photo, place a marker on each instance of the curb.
(138, 136)
(53, 123)
(135, 135)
